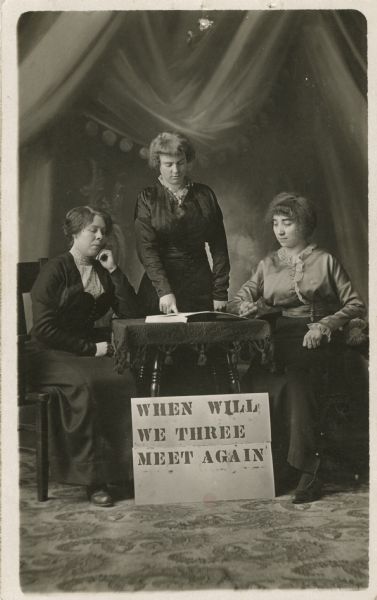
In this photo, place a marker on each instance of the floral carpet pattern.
(68, 546)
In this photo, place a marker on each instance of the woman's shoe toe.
(308, 490)
(99, 496)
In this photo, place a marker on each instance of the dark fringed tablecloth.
(132, 336)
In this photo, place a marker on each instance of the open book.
(193, 317)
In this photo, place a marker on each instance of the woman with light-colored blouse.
(314, 299)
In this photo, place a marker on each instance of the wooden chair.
(27, 273)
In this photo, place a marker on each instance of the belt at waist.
(173, 253)
(315, 312)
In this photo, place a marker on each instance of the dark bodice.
(64, 314)
(188, 226)
(170, 236)
(80, 310)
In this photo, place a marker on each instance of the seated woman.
(315, 299)
(91, 414)
(174, 219)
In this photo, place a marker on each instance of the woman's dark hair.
(79, 217)
(169, 143)
(298, 208)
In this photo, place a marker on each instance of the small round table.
(136, 341)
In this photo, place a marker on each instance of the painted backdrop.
(273, 101)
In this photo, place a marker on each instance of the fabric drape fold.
(35, 203)
(211, 106)
(342, 150)
(48, 81)
(335, 81)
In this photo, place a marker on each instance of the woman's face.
(173, 169)
(92, 238)
(288, 233)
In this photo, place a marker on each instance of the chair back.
(32, 403)
(27, 273)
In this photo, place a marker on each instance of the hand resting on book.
(247, 308)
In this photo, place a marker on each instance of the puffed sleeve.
(147, 246)
(219, 251)
(124, 300)
(349, 300)
(251, 291)
(46, 295)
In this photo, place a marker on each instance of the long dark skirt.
(90, 434)
(294, 393)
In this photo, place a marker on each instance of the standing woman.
(90, 416)
(174, 219)
(316, 299)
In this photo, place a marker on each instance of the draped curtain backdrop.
(272, 101)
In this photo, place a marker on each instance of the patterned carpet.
(68, 546)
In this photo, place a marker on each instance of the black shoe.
(99, 495)
(309, 489)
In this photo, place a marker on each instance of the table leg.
(140, 383)
(156, 374)
(233, 374)
(213, 370)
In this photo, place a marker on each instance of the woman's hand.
(168, 304)
(219, 305)
(104, 349)
(247, 308)
(313, 338)
(106, 259)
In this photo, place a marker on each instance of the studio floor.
(66, 545)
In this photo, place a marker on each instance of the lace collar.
(288, 259)
(297, 262)
(80, 259)
(178, 195)
(91, 282)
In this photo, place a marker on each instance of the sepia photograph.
(186, 300)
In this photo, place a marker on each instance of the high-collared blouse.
(313, 285)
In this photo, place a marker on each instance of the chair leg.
(42, 450)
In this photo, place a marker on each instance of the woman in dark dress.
(173, 220)
(315, 300)
(90, 415)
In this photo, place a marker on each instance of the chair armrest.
(357, 332)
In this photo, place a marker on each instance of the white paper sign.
(201, 448)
